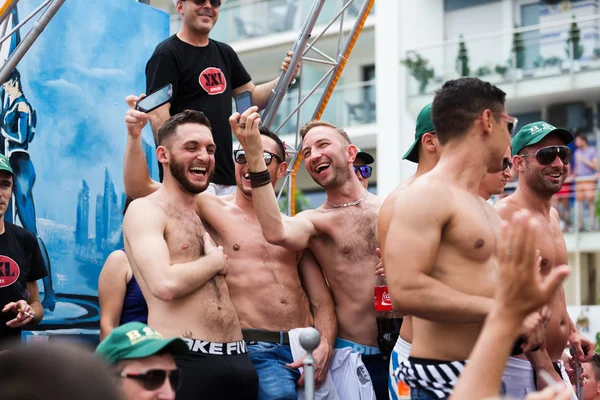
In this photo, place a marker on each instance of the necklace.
(353, 203)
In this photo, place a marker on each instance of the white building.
(377, 98)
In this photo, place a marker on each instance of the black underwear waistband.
(217, 349)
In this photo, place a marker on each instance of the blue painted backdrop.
(76, 76)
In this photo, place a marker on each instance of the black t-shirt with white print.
(20, 262)
(203, 79)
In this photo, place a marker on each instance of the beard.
(340, 175)
(542, 186)
(178, 171)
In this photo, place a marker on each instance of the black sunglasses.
(213, 3)
(506, 163)
(239, 156)
(365, 171)
(546, 155)
(596, 360)
(155, 378)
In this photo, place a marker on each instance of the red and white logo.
(213, 80)
(9, 271)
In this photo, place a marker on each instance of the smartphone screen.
(156, 99)
(243, 101)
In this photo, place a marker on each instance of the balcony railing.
(577, 203)
(349, 105)
(246, 19)
(566, 47)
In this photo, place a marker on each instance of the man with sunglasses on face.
(340, 233)
(441, 237)
(273, 290)
(541, 158)
(205, 75)
(493, 183)
(144, 362)
(362, 169)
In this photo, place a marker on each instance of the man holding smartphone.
(205, 75)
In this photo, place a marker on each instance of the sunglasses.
(239, 156)
(155, 378)
(365, 171)
(546, 155)
(512, 123)
(213, 3)
(506, 163)
(596, 359)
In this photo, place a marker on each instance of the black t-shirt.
(203, 79)
(20, 262)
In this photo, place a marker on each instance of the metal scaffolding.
(336, 64)
(50, 8)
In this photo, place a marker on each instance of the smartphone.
(155, 99)
(243, 101)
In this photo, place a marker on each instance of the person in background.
(585, 167)
(119, 294)
(362, 168)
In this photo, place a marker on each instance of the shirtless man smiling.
(268, 285)
(340, 233)
(541, 157)
(180, 270)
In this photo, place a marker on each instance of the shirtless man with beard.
(180, 270)
(340, 233)
(273, 290)
(541, 157)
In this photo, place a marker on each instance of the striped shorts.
(434, 376)
(396, 388)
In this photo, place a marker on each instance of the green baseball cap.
(137, 340)
(366, 157)
(534, 133)
(5, 164)
(424, 125)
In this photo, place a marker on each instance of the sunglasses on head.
(213, 3)
(155, 378)
(596, 359)
(546, 155)
(506, 163)
(239, 156)
(365, 171)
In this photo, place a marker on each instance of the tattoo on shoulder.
(187, 334)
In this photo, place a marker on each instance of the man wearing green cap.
(21, 265)
(362, 169)
(541, 158)
(143, 360)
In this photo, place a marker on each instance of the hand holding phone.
(155, 99)
(243, 101)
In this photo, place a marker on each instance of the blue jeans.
(422, 394)
(275, 380)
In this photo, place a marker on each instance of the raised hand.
(135, 120)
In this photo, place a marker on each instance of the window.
(451, 5)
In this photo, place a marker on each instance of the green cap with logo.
(5, 164)
(535, 132)
(424, 125)
(366, 157)
(137, 340)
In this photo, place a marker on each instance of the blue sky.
(77, 75)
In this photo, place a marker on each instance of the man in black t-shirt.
(21, 265)
(205, 75)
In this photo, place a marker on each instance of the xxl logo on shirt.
(9, 271)
(213, 80)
